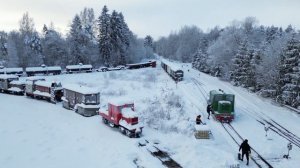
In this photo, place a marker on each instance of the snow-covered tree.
(240, 75)
(54, 47)
(29, 51)
(289, 74)
(200, 61)
(148, 43)
(105, 46)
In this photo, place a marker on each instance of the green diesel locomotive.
(222, 105)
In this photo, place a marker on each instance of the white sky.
(154, 17)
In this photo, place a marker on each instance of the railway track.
(200, 88)
(238, 139)
(266, 121)
(160, 154)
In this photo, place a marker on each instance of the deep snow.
(36, 133)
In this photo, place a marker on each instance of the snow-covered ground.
(35, 133)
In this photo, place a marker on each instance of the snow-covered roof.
(44, 83)
(201, 127)
(81, 89)
(141, 63)
(17, 82)
(10, 70)
(78, 66)
(8, 76)
(129, 113)
(15, 89)
(32, 78)
(224, 102)
(174, 66)
(120, 102)
(46, 94)
(50, 68)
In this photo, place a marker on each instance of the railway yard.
(37, 133)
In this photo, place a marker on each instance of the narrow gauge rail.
(258, 160)
(275, 127)
(199, 86)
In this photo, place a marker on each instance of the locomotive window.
(229, 97)
(218, 97)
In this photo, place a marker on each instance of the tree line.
(263, 59)
(106, 40)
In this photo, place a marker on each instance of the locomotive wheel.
(104, 121)
(122, 130)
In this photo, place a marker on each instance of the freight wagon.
(84, 100)
(172, 69)
(43, 70)
(141, 65)
(79, 68)
(11, 84)
(48, 90)
(11, 71)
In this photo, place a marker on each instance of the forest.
(104, 40)
(262, 59)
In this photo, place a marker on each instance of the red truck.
(122, 116)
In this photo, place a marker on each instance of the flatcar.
(142, 65)
(173, 70)
(43, 70)
(84, 100)
(222, 105)
(11, 71)
(11, 84)
(79, 68)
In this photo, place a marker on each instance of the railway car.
(11, 84)
(142, 65)
(43, 70)
(48, 90)
(11, 71)
(222, 105)
(30, 84)
(79, 68)
(82, 99)
(121, 114)
(173, 70)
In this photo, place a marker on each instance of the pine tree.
(148, 44)
(105, 46)
(3, 45)
(200, 61)
(116, 38)
(126, 37)
(289, 74)
(54, 47)
(238, 73)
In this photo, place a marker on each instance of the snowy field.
(37, 134)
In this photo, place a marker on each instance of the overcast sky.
(154, 17)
